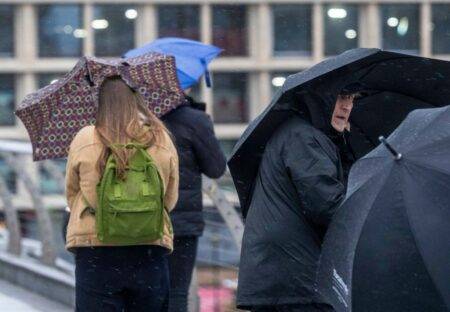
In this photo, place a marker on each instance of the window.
(6, 30)
(60, 30)
(291, 30)
(113, 29)
(400, 25)
(46, 79)
(441, 28)
(179, 21)
(277, 80)
(230, 98)
(7, 94)
(48, 184)
(341, 28)
(8, 175)
(230, 29)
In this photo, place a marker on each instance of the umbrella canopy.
(55, 113)
(393, 85)
(192, 57)
(388, 247)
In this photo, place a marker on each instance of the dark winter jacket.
(199, 153)
(346, 153)
(299, 186)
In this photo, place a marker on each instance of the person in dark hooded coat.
(300, 184)
(199, 153)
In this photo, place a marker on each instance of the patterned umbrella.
(55, 113)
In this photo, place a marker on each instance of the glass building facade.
(291, 30)
(57, 25)
(401, 27)
(7, 31)
(113, 29)
(179, 21)
(230, 29)
(341, 28)
(263, 42)
(7, 100)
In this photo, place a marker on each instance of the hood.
(318, 107)
(318, 102)
(188, 101)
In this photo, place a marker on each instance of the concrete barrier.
(28, 273)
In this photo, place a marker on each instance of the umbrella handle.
(397, 155)
(88, 78)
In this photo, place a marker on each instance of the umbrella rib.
(367, 181)
(370, 179)
(419, 248)
(368, 157)
(428, 145)
(430, 123)
(382, 184)
(432, 168)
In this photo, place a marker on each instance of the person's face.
(341, 113)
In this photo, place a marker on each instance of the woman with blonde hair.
(116, 276)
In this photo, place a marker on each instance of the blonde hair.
(122, 117)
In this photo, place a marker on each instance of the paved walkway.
(16, 299)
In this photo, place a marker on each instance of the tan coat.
(82, 178)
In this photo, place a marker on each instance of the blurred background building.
(264, 41)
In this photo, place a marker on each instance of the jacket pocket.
(85, 208)
(86, 211)
(132, 221)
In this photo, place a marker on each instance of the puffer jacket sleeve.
(211, 159)
(315, 176)
(171, 192)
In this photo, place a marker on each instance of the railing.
(14, 155)
(17, 155)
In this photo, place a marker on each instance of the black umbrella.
(388, 247)
(379, 114)
(389, 78)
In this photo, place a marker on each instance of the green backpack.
(130, 211)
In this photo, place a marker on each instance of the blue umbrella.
(191, 57)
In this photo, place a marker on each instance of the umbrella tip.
(397, 155)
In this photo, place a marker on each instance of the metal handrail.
(10, 150)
